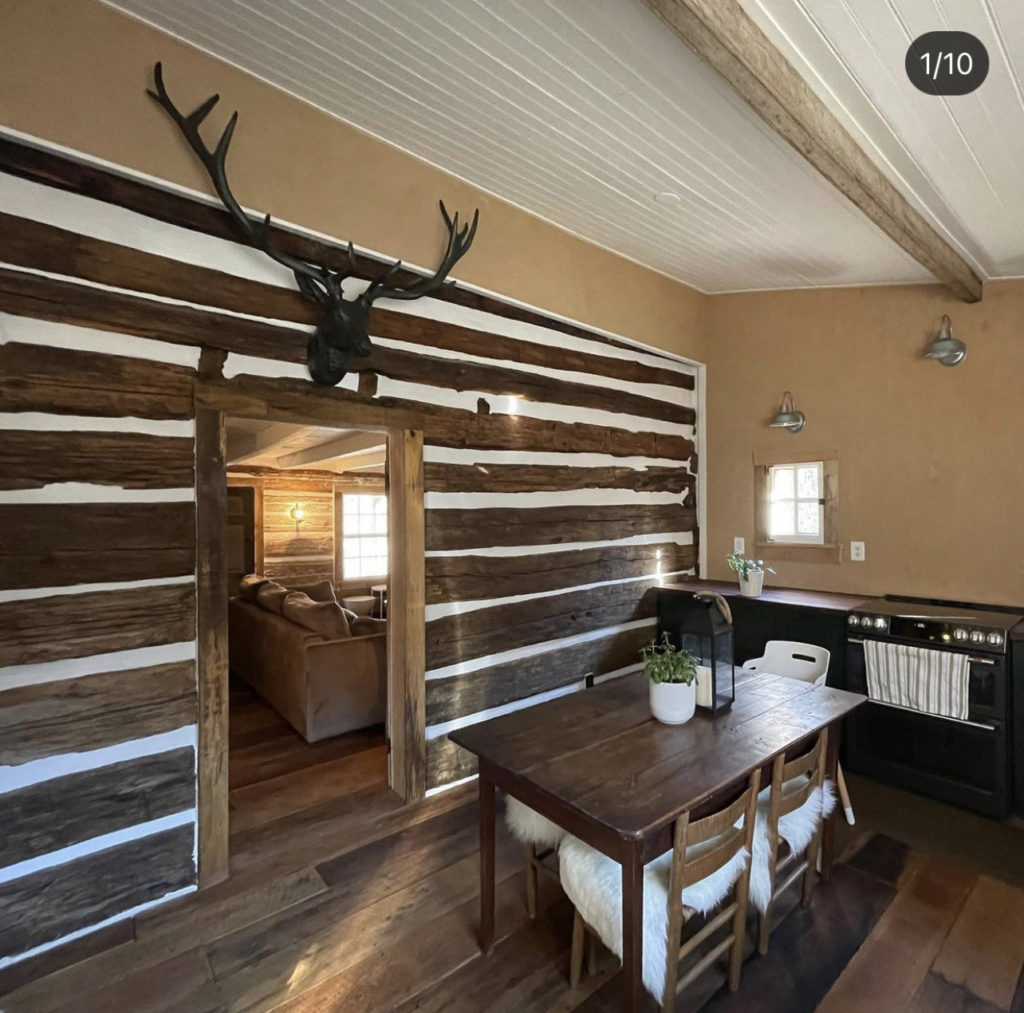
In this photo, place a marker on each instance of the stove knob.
(854, 620)
(865, 621)
(959, 633)
(879, 622)
(995, 639)
(977, 637)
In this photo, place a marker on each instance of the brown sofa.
(320, 686)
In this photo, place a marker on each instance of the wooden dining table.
(597, 764)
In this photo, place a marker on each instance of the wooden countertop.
(828, 601)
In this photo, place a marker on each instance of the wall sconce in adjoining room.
(787, 417)
(948, 350)
(297, 514)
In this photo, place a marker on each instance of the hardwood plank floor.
(343, 899)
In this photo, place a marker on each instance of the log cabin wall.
(560, 474)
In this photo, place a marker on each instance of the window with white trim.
(796, 503)
(364, 535)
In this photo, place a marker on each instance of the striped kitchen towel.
(935, 682)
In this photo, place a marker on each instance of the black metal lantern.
(701, 622)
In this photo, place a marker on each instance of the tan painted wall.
(75, 72)
(931, 459)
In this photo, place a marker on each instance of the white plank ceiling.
(580, 112)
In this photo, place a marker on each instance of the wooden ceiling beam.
(339, 446)
(722, 34)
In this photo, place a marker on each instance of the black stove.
(977, 628)
(966, 762)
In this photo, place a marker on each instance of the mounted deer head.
(343, 329)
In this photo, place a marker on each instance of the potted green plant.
(750, 572)
(672, 674)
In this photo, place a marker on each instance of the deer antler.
(314, 281)
(459, 241)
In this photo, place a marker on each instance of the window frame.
(345, 580)
(796, 499)
(829, 550)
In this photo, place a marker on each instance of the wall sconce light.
(297, 514)
(787, 417)
(948, 350)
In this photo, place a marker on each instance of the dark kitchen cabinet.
(810, 617)
(1017, 717)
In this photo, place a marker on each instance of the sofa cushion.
(322, 590)
(364, 626)
(324, 617)
(271, 595)
(249, 585)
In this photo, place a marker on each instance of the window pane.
(780, 521)
(808, 519)
(807, 483)
(782, 483)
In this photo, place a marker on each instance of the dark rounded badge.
(947, 63)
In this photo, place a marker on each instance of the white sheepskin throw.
(530, 827)
(593, 883)
(796, 829)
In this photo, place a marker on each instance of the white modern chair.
(808, 663)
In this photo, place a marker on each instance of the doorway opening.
(311, 660)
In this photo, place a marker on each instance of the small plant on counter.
(664, 663)
(744, 567)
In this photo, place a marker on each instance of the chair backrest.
(807, 770)
(721, 824)
(790, 658)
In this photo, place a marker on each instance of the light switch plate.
(739, 545)
(857, 552)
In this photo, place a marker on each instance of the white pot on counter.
(672, 703)
(753, 585)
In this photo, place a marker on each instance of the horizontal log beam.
(48, 905)
(452, 529)
(722, 33)
(57, 544)
(502, 684)
(34, 378)
(65, 301)
(73, 715)
(476, 634)
(447, 762)
(81, 625)
(471, 578)
(444, 427)
(93, 181)
(95, 802)
(489, 477)
(32, 459)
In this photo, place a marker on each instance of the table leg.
(486, 864)
(632, 927)
(828, 831)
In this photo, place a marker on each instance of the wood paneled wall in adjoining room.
(560, 479)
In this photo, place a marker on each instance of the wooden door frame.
(406, 642)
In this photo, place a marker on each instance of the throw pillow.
(249, 585)
(270, 595)
(322, 590)
(324, 617)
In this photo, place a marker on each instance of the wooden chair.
(709, 860)
(808, 663)
(793, 786)
(540, 838)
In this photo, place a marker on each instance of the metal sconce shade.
(947, 349)
(787, 417)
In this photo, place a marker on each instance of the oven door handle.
(970, 658)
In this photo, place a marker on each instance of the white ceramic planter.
(753, 585)
(672, 703)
